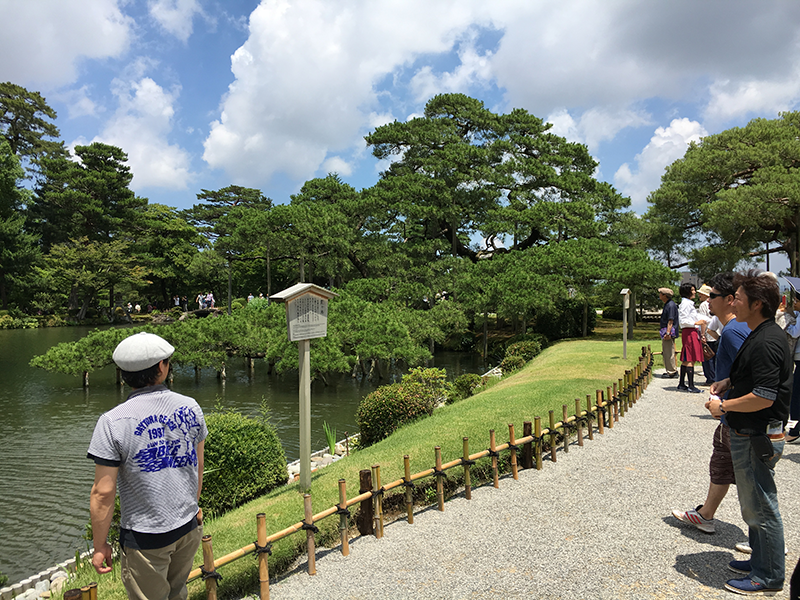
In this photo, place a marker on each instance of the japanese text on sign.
(307, 317)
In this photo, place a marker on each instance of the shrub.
(244, 459)
(391, 406)
(528, 350)
(432, 381)
(464, 386)
(3, 579)
(511, 364)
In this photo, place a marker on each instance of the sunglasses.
(713, 295)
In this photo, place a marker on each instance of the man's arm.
(670, 323)
(745, 404)
(101, 510)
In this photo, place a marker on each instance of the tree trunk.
(485, 334)
(269, 274)
(302, 270)
(585, 320)
(111, 298)
(631, 314)
(230, 288)
(84, 307)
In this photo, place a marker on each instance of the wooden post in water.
(263, 556)
(365, 517)
(537, 433)
(409, 492)
(344, 532)
(493, 452)
(589, 426)
(527, 448)
(564, 427)
(378, 499)
(578, 421)
(512, 441)
(309, 521)
(208, 567)
(439, 476)
(600, 417)
(465, 459)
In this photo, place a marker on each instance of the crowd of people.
(745, 337)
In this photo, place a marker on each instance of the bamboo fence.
(604, 410)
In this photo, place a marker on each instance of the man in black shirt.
(756, 410)
(669, 317)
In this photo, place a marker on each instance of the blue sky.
(269, 94)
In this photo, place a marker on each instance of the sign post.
(306, 319)
(626, 299)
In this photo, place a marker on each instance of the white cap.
(141, 351)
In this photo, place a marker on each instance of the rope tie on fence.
(439, 473)
(266, 548)
(310, 527)
(343, 511)
(409, 484)
(468, 462)
(378, 492)
(512, 446)
(493, 453)
(213, 574)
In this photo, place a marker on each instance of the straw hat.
(141, 351)
(705, 289)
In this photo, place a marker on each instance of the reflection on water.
(47, 421)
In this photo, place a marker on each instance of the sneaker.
(694, 390)
(682, 388)
(746, 549)
(792, 439)
(748, 587)
(740, 566)
(669, 375)
(693, 517)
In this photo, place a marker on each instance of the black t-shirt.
(763, 366)
(670, 313)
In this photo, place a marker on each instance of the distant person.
(151, 448)
(201, 301)
(691, 349)
(250, 297)
(793, 330)
(667, 324)
(705, 312)
(720, 467)
(210, 300)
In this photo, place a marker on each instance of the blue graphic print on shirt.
(162, 453)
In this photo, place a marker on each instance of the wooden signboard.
(307, 317)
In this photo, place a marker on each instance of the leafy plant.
(330, 436)
(528, 350)
(511, 364)
(464, 386)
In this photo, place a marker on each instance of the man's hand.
(718, 388)
(102, 555)
(714, 406)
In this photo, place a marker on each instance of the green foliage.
(390, 406)
(464, 386)
(565, 319)
(330, 436)
(3, 579)
(244, 459)
(432, 382)
(528, 350)
(511, 364)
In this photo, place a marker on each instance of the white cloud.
(667, 145)
(42, 43)
(336, 164)
(79, 103)
(596, 125)
(732, 99)
(175, 16)
(141, 126)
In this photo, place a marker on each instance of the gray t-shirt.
(153, 438)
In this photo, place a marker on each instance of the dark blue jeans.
(758, 498)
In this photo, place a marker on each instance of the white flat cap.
(141, 351)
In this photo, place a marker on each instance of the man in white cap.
(151, 448)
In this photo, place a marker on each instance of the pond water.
(47, 420)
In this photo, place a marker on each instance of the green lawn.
(563, 372)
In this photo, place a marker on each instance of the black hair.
(760, 286)
(143, 378)
(686, 290)
(723, 283)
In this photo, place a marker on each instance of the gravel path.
(597, 524)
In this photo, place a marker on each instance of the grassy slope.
(566, 371)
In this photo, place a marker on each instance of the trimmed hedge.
(244, 459)
(464, 386)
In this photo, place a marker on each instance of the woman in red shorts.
(692, 350)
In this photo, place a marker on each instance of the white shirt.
(687, 313)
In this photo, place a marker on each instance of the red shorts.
(692, 350)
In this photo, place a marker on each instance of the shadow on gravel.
(705, 417)
(794, 457)
(707, 568)
(726, 536)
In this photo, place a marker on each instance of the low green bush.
(244, 459)
(389, 407)
(511, 364)
(464, 386)
(432, 381)
(528, 350)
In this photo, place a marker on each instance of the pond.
(48, 419)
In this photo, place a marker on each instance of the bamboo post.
(512, 442)
(85, 594)
(364, 519)
(409, 493)
(614, 400)
(589, 426)
(493, 452)
(623, 396)
(564, 427)
(578, 421)
(618, 398)
(600, 417)
(467, 462)
(377, 496)
(344, 532)
(537, 432)
(263, 556)
(73, 594)
(552, 436)
(439, 474)
(308, 522)
(527, 448)
(93, 591)
(609, 408)
(209, 573)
